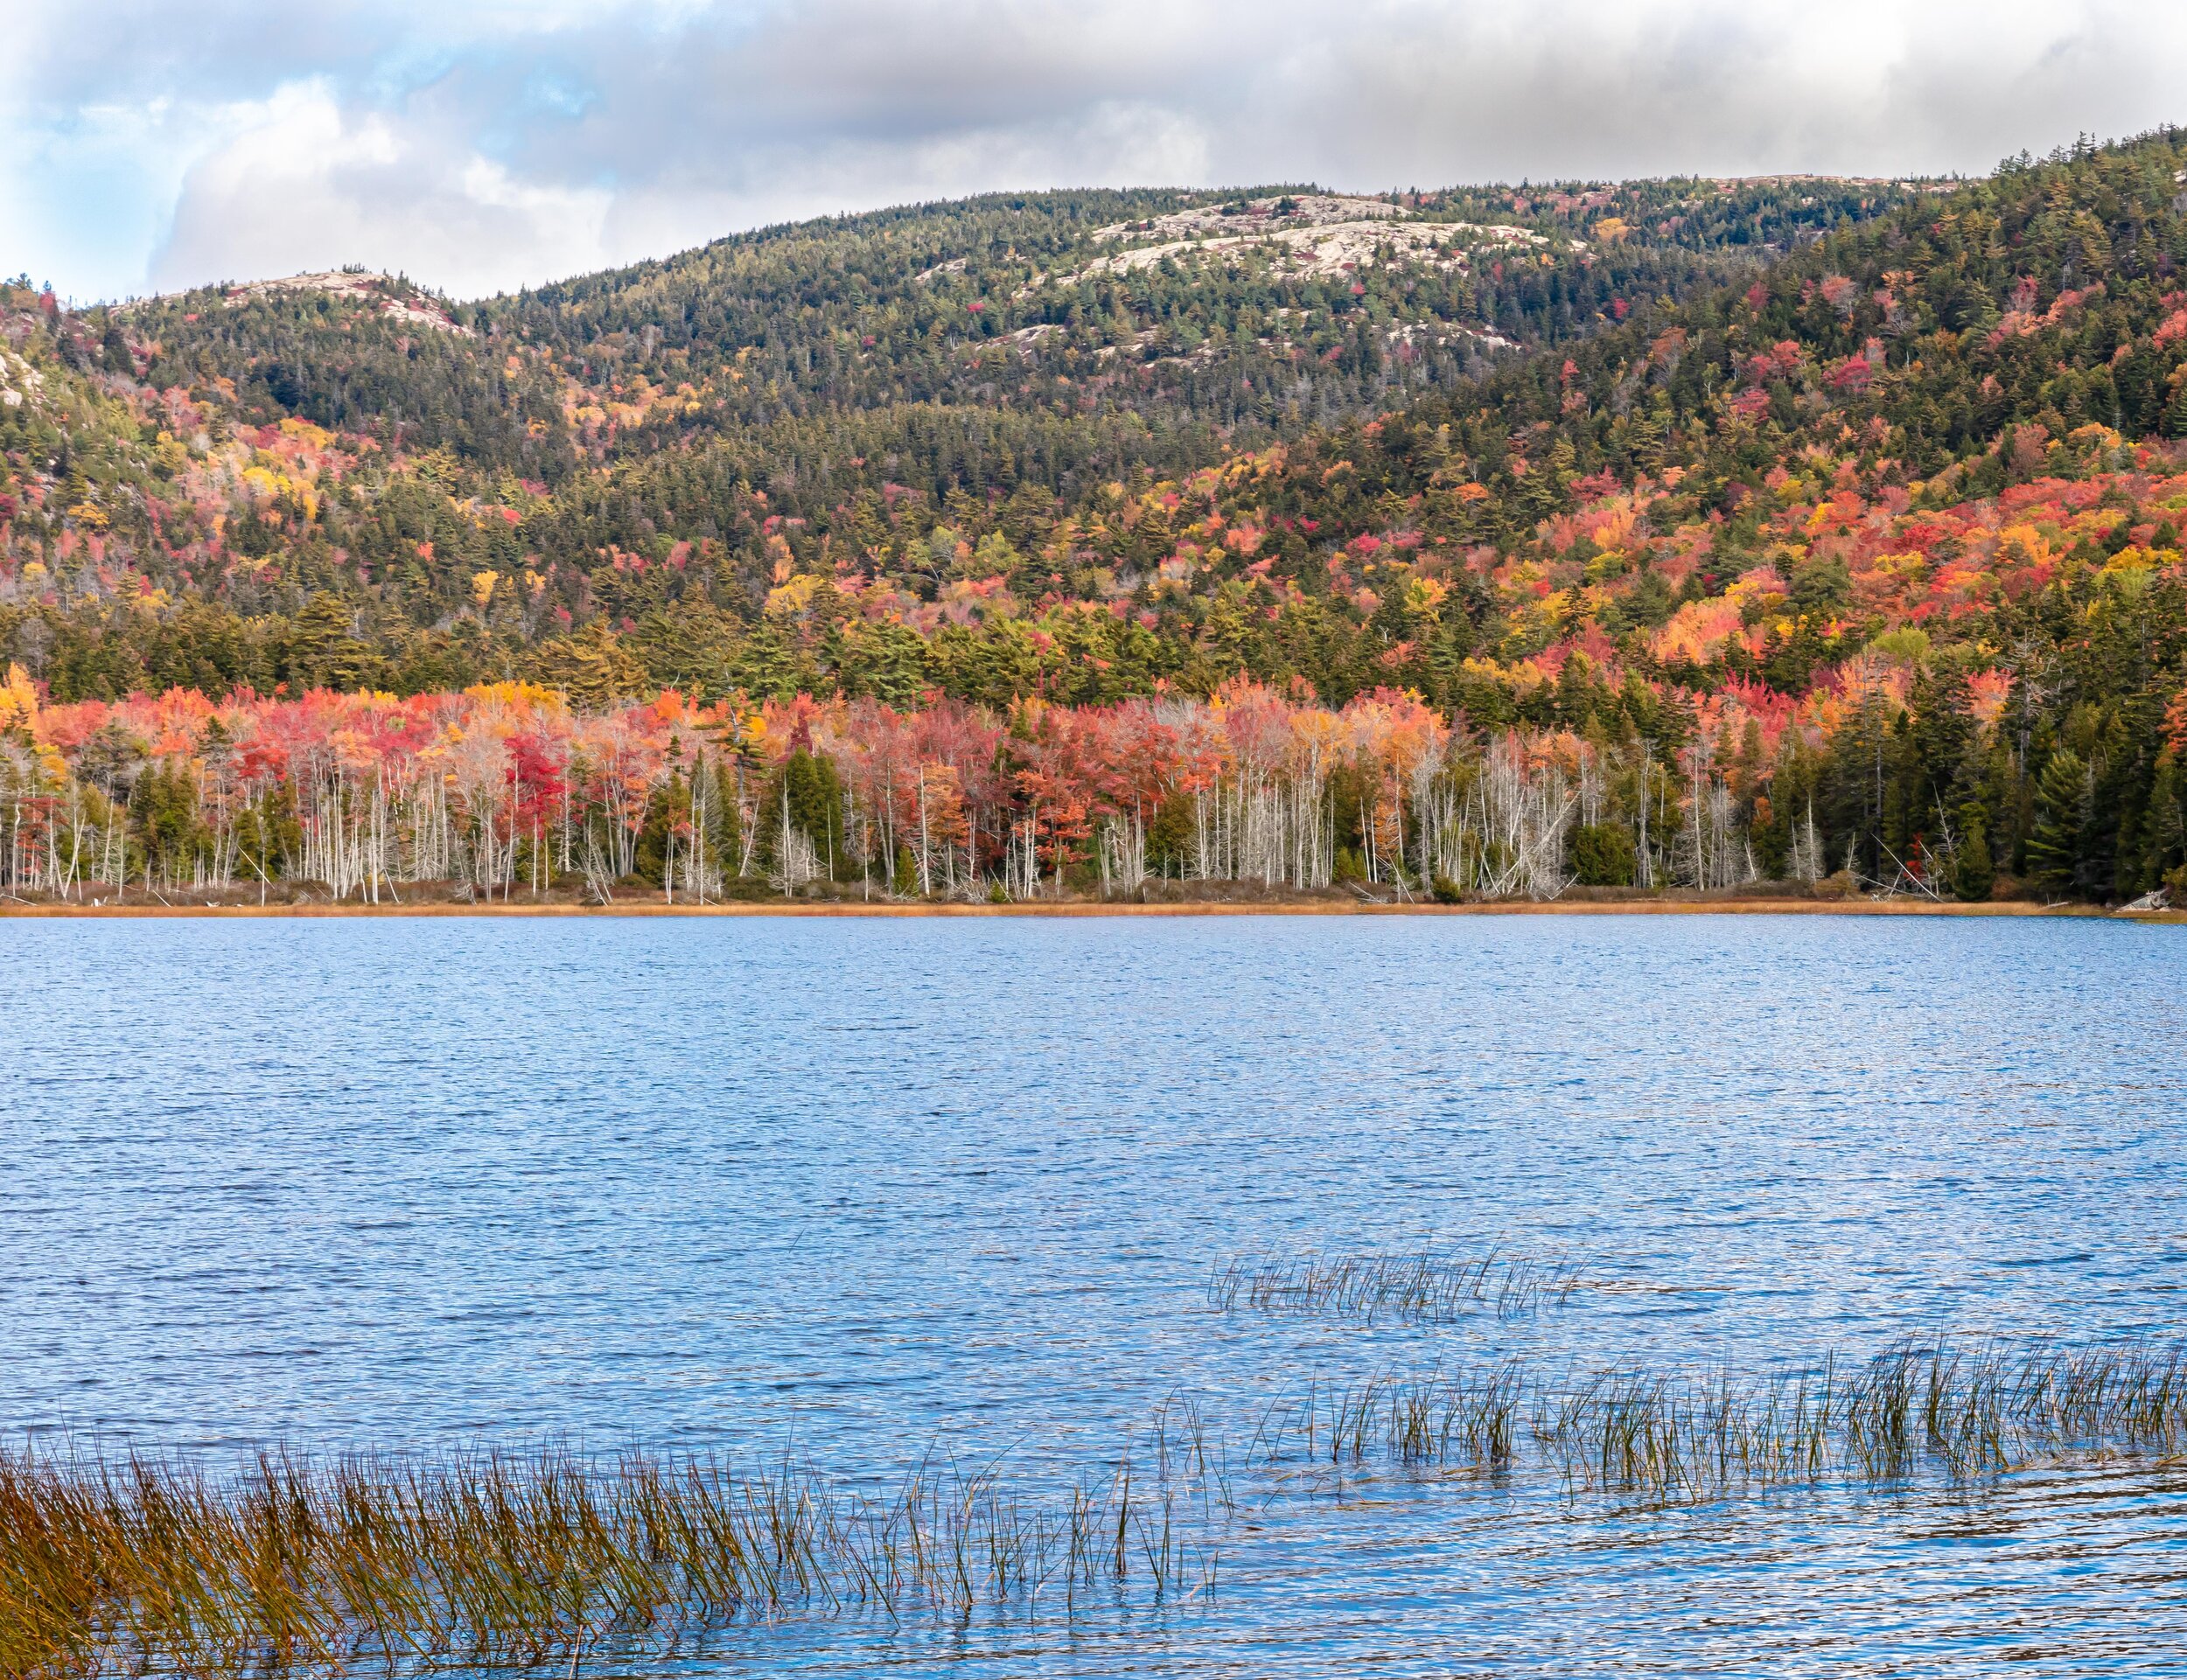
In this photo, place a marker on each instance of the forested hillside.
(804, 395)
(1675, 532)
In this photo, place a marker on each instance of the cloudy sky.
(478, 144)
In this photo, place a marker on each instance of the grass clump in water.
(1965, 1409)
(1424, 1288)
(507, 1561)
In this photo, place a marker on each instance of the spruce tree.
(2054, 850)
(1973, 874)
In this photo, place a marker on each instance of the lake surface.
(853, 1189)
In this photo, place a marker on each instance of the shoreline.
(885, 909)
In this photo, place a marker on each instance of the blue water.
(853, 1188)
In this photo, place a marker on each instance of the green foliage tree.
(2055, 855)
(1603, 854)
(807, 797)
(1973, 873)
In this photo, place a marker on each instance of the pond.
(863, 1192)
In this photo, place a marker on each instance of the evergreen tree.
(1974, 875)
(2054, 846)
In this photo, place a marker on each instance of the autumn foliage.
(1858, 563)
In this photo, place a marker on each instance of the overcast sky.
(479, 145)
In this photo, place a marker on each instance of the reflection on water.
(868, 1186)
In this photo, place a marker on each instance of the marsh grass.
(1967, 1408)
(545, 1560)
(529, 1561)
(1424, 1288)
(1961, 1409)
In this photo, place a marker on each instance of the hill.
(1851, 507)
(768, 399)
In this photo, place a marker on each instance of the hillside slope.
(254, 447)
(1866, 492)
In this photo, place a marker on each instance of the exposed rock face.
(382, 292)
(1323, 233)
(19, 381)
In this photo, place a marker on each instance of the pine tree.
(2054, 849)
(807, 793)
(1973, 874)
(323, 652)
(594, 668)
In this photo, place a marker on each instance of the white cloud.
(313, 185)
(765, 184)
(478, 145)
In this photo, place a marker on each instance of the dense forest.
(1481, 541)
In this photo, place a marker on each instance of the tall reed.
(501, 1560)
(1427, 1288)
(1961, 1408)
(515, 1560)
